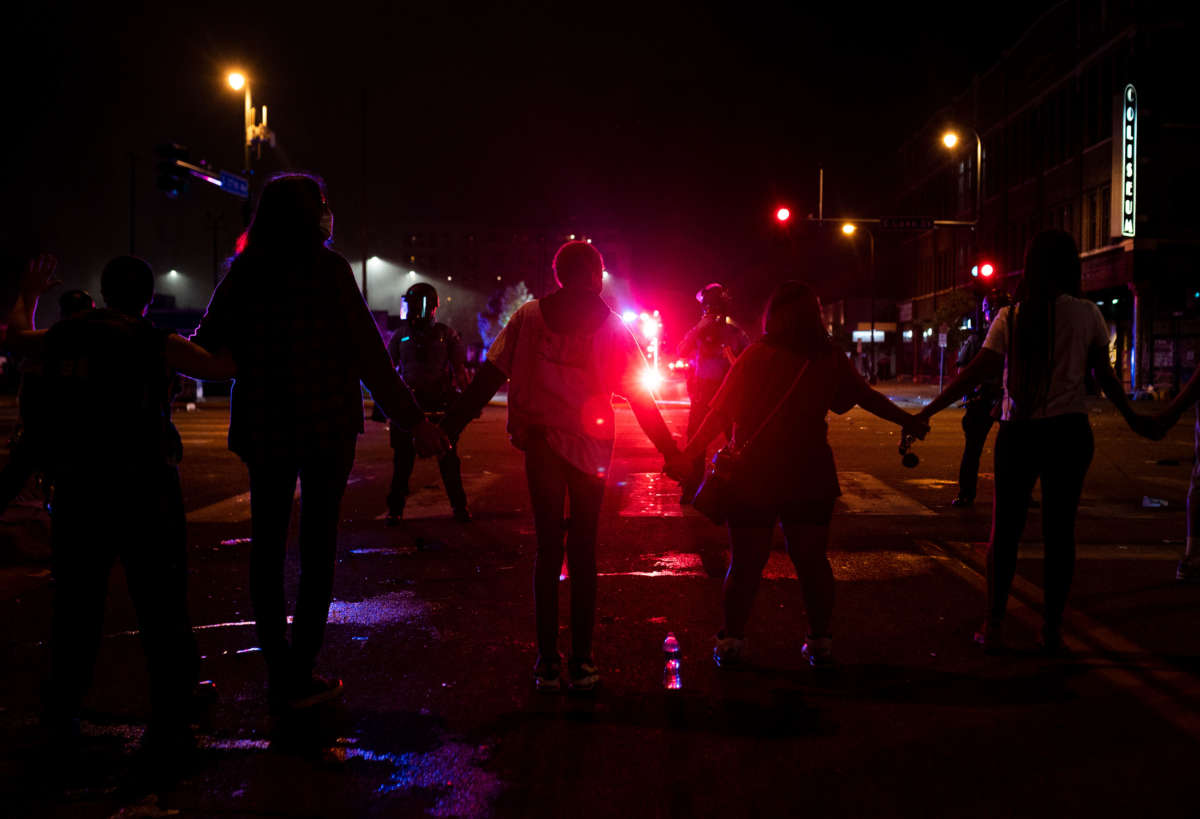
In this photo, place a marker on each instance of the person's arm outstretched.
(1188, 396)
(1145, 425)
(38, 279)
(986, 364)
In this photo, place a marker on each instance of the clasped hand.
(429, 439)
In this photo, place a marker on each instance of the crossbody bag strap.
(770, 417)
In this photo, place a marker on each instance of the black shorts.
(806, 512)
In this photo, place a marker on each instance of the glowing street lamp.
(849, 229)
(256, 133)
(950, 139)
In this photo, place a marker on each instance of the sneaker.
(728, 652)
(818, 651)
(546, 675)
(960, 502)
(462, 514)
(1187, 572)
(991, 636)
(584, 676)
(315, 691)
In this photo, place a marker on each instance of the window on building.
(1090, 222)
(1105, 214)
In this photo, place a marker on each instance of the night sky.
(680, 126)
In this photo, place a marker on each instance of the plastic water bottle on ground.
(671, 679)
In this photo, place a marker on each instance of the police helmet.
(74, 302)
(992, 303)
(422, 301)
(715, 299)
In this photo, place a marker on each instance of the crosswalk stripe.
(864, 494)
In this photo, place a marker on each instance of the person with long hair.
(776, 397)
(303, 339)
(1043, 345)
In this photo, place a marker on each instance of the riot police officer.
(982, 405)
(712, 346)
(431, 359)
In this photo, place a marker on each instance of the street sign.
(906, 223)
(237, 185)
(942, 340)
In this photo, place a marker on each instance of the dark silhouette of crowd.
(288, 324)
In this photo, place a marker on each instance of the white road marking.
(864, 494)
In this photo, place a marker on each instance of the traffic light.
(172, 179)
(782, 215)
(985, 272)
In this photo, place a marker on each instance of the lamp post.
(951, 139)
(256, 133)
(849, 229)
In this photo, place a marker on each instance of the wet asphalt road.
(432, 631)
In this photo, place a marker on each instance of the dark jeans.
(551, 480)
(976, 423)
(701, 394)
(404, 457)
(272, 487)
(806, 531)
(1057, 450)
(138, 519)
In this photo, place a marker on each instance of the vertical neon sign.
(1129, 162)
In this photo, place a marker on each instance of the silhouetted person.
(431, 359)
(1188, 568)
(565, 355)
(1044, 344)
(22, 458)
(117, 495)
(982, 407)
(304, 341)
(776, 397)
(711, 346)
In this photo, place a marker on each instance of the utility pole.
(363, 208)
(132, 203)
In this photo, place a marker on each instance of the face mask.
(327, 224)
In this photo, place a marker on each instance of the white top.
(1079, 333)
(564, 383)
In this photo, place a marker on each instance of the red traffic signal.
(983, 270)
(782, 215)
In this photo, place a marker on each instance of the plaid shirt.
(303, 340)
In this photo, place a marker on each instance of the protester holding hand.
(304, 342)
(1044, 345)
(776, 397)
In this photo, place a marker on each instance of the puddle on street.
(451, 773)
(651, 495)
(381, 550)
(394, 607)
(671, 564)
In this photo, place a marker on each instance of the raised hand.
(39, 276)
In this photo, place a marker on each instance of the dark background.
(682, 127)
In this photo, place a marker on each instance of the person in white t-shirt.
(564, 356)
(1044, 345)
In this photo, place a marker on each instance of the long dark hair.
(1052, 269)
(792, 320)
(287, 219)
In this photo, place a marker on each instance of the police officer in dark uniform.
(431, 359)
(982, 405)
(712, 346)
(107, 445)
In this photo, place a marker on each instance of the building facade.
(1087, 123)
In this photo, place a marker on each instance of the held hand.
(917, 426)
(429, 439)
(678, 467)
(39, 276)
(1149, 426)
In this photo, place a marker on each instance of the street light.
(849, 229)
(256, 133)
(951, 139)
